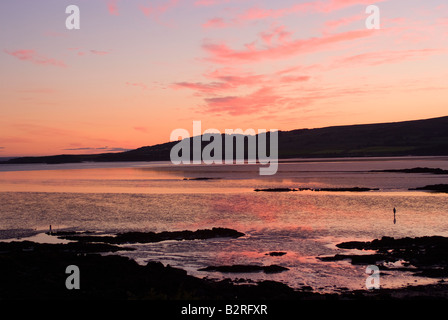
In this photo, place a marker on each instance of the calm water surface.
(118, 197)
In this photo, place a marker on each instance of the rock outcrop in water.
(415, 170)
(276, 190)
(424, 256)
(31, 270)
(238, 268)
(72, 247)
(147, 237)
(200, 179)
(276, 253)
(352, 189)
(435, 188)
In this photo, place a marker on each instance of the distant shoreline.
(427, 137)
(280, 161)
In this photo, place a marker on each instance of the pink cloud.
(244, 105)
(257, 13)
(137, 84)
(112, 7)
(330, 26)
(215, 23)
(228, 79)
(207, 3)
(289, 70)
(142, 129)
(221, 80)
(293, 79)
(32, 56)
(260, 13)
(443, 21)
(156, 11)
(384, 57)
(219, 94)
(99, 53)
(235, 77)
(335, 5)
(265, 100)
(277, 33)
(221, 53)
(81, 53)
(204, 88)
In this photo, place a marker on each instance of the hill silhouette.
(427, 137)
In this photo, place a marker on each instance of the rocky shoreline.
(350, 189)
(245, 268)
(438, 188)
(30, 270)
(148, 237)
(415, 170)
(423, 256)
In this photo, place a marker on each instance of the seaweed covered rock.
(238, 268)
(147, 237)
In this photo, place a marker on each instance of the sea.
(108, 198)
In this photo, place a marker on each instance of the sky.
(136, 70)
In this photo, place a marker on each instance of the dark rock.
(356, 259)
(306, 288)
(424, 256)
(435, 188)
(245, 269)
(78, 247)
(36, 271)
(147, 237)
(276, 190)
(68, 233)
(200, 178)
(40, 274)
(354, 189)
(415, 170)
(275, 253)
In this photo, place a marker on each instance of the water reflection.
(305, 225)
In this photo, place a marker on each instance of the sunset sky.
(138, 69)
